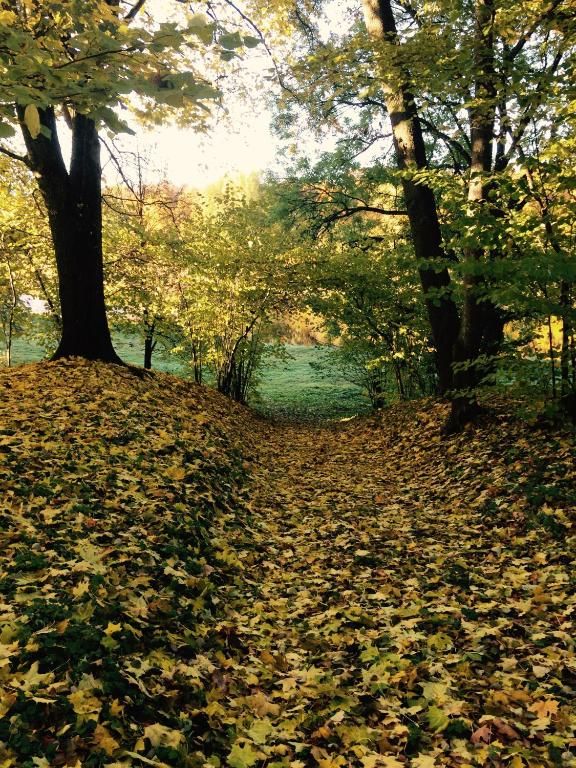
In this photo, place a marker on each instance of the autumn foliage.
(183, 584)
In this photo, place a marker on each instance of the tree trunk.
(149, 342)
(467, 373)
(420, 201)
(11, 314)
(565, 302)
(197, 361)
(73, 201)
(148, 351)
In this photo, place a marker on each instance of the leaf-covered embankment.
(408, 600)
(373, 596)
(115, 494)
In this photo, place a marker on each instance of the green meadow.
(290, 388)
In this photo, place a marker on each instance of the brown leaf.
(482, 735)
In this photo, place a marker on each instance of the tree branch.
(347, 212)
(13, 155)
(528, 114)
(448, 140)
(262, 39)
(547, 14)
(134, 10)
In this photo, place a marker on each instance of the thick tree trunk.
(420, 200)
(467, 373)
(73, 201)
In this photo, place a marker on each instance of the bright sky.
(240, 144)
(196, 160)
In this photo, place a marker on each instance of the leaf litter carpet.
(404, 600)
(184, 585)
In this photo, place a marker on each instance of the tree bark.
(149, 340)
(420, 201)
(566, 304)
(73, 201)
(467, 373)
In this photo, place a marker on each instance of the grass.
(290, 388)
(129, 347)
(293, 388)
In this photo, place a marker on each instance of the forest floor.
(186, 585)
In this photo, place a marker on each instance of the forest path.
(341, 586)
(388, 589)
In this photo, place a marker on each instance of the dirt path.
(373, 623)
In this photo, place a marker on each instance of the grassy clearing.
(293, 389)
(287, 389)
(129, 347)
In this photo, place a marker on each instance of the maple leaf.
(103, 739)
(260, 730)
(112, 629)
(261, 706)
(84, 703)
(483, 734)
(160, 735)
(438, 720)
(413, 630)
(423, 761)
(243, 756)
(544, 708)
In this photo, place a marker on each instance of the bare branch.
(134, 10)
(120, 169)
(14, 155)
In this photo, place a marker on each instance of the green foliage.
(207, 274)
(93, 57)
(514, 247)
(26, 262)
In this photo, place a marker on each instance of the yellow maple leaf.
(435, 691)
(544, 708)
(116, 708)
(81, 588)
(391, 762)
(32, 679)
(260, 705)
(85, 704)
(7, 700)
(32, 120)
(103, 738)
(161, 736)
(423, 761)
(112, 629)
(175, 473)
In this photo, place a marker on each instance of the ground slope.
(405, 600)
(115, 495)
(374, 596)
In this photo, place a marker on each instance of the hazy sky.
(240, 144)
